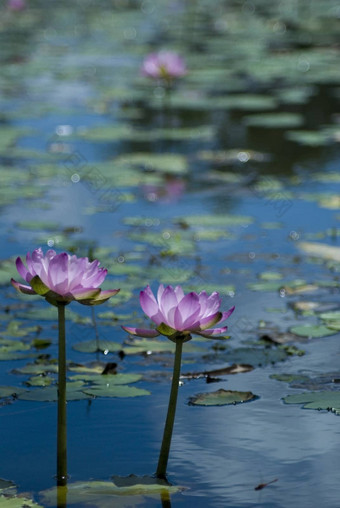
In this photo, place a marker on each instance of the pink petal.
(211, 320)
(86, 294)
(228, 313)
(187, 311)
(107, 294)
(160, 292)
(179, 293)
(27, 290)
(168, 301)
(148, 302)
(141, 332)
(23, 270)
(212, 332)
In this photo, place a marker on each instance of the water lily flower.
(61, 278)
(177, 314)
(166, 65)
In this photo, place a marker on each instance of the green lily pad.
(93, 346)
(115, 391)
(40, 381)
(326, 400)
(139, 346)
(165, 162)
(38, 225)
(330, 316)
(41, 343)
(107, 379)
(310, 138)
(37, 368)
(270, 276)
(290, 378)
(312, 331)
(215, 220)
(10, 391)
(221, 398)
(320, 250)
(274, 120)
(17, 502)
(50, 393)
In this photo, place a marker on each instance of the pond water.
(228, 182)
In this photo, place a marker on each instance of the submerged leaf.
(120, 493)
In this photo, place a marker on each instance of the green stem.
(62, 429)
(170, 418)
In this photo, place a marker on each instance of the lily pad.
(17, 502)
(274, 120)
(165, 162)
(320, 250)
(115, 391)
(312, 331)
(10, 391)
(221, 398)
(107, 379)
(215, 220)
(327, 400)
(93, 346)
(140, 346)
(50, 393)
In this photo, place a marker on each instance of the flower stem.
(62, 429)
(170, 418)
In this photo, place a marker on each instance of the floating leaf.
(221, 398)
(310, 138)
(312, 331)
(17, 502)
(164, 162)
(37, 368)
(50, 393)
(232, 369)
(114, 390)
(41, 343)
(215, 220)
(10, 391)
(274, 120)
(40, 381)
(107, 379)
(93, 346)
(330, 316)
(327, 400)
(138, 346)
(320, 250)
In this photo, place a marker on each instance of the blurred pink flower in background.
(171, 191)
(166, 65)
(16, 5)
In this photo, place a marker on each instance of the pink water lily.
(61, 278)
(166, 65)
(175, 313)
